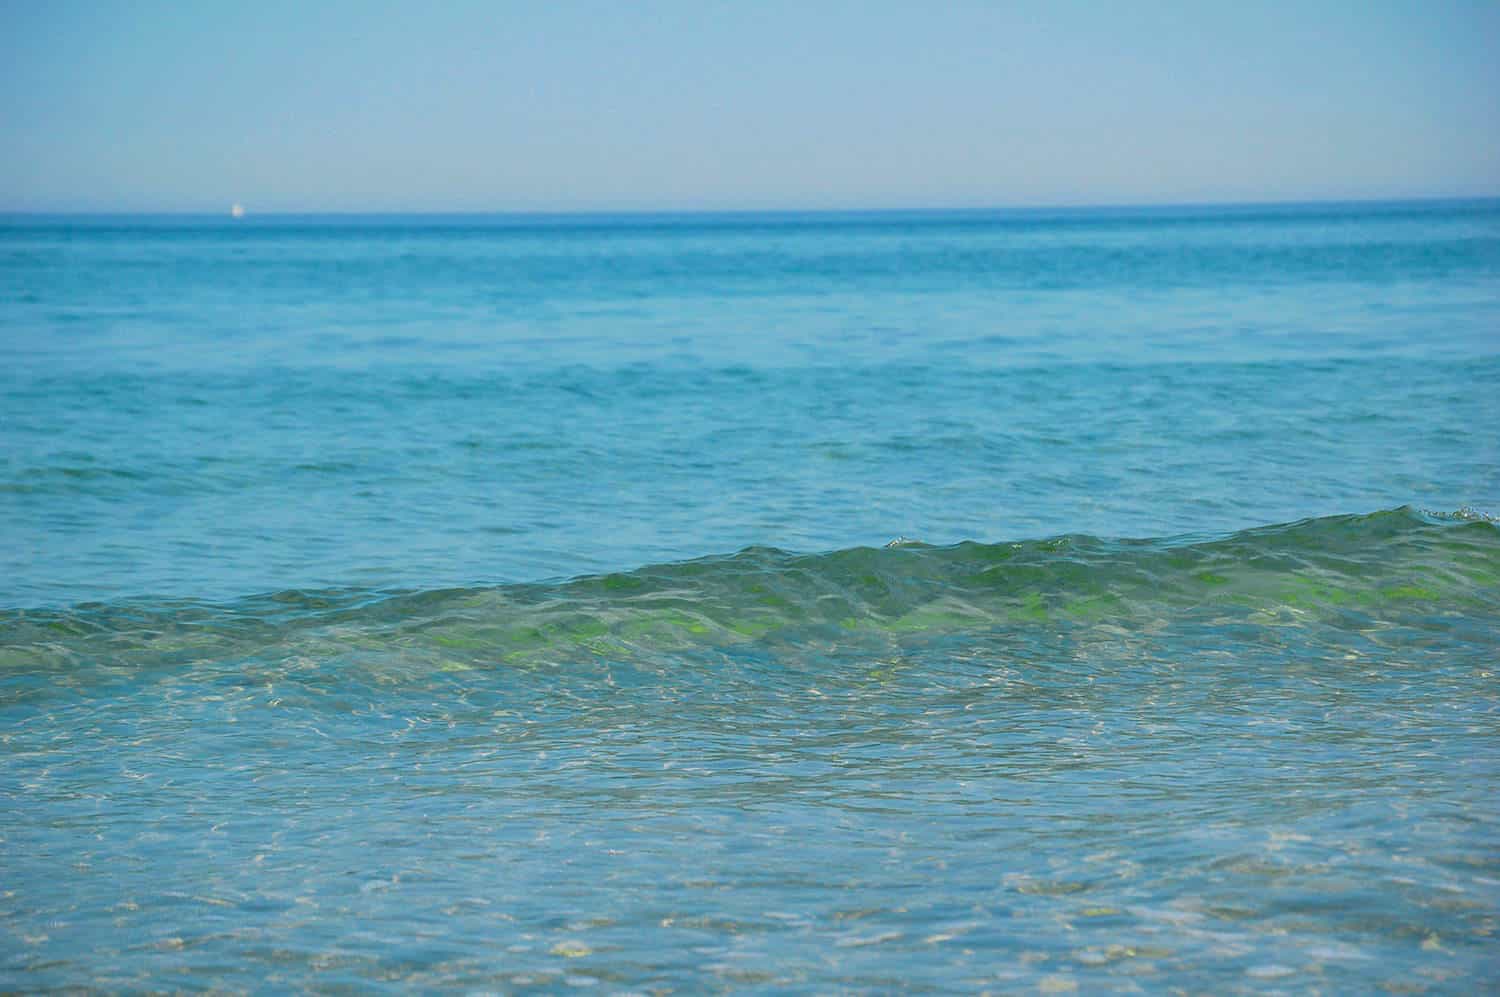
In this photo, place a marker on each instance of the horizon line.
(250, 214)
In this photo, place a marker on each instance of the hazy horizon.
(355, 108)
(1040, 210)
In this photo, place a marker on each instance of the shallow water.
(495, 604)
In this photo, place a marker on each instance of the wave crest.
(1352, 570)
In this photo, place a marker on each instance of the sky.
(553, 105)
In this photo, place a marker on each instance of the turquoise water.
(1015, 601)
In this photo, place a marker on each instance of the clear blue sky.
(361, 105)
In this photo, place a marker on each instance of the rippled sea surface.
(1094, 600)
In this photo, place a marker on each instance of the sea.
(1100, 600)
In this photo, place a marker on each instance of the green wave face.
(1354, 572)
